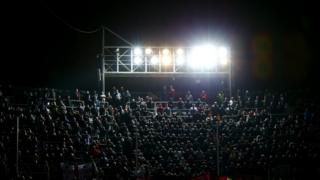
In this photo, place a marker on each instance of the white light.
(193, 58)
(154, 60)
(137, 60)
(166, 60)
(203, 57)
(137, 51)
(180, 60)
(165, 52)
(223, 56)
(148, 51)
(179, 51)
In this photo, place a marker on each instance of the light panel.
(137, 51)
(137, 60)
(154, 60)
(166, 60)
(148, 51)
(165, 52)
(180, 60)
(223, 56)
(180, 52)
(202, 57)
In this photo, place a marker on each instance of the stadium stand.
(82, 135)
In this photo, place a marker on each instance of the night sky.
(272, 43)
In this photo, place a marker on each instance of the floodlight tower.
(158, 61)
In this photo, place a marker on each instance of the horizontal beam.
(161, 47)
(162, 74)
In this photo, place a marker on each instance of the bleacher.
(82, 135)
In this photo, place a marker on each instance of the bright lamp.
(137, 51)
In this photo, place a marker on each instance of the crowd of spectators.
(82, 134)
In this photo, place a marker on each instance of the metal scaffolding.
(123, 61)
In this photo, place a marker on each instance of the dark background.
(274, 44)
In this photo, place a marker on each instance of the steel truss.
(119, 61)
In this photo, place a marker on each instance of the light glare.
(223, 56)
(179, 51)
(203, 57)
(180, 60)
(154, 60)
(137, 60)
(137, 51)
(166, 60)
(165, 52)
(148, 51)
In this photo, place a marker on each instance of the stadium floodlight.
(193, 58)
(223, 55)
(154, 60)
(137, 60)
(180, 58)
(148, 51)
(137, 51)
(179, 52)
(166, 60)
(165, 52)
(203, 57)
(166, 57)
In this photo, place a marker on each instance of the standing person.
(189, 96)
(77, 94)
(172, 93)
(204, 96)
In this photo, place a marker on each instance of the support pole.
(102, 63)
(230, 78)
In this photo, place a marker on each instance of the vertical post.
(102, 63)
(131, 62)
(118, 58)
(230, 78)
(174, 61)
(17, 148)
(160, 57)
(217, 138)
(145, 59)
